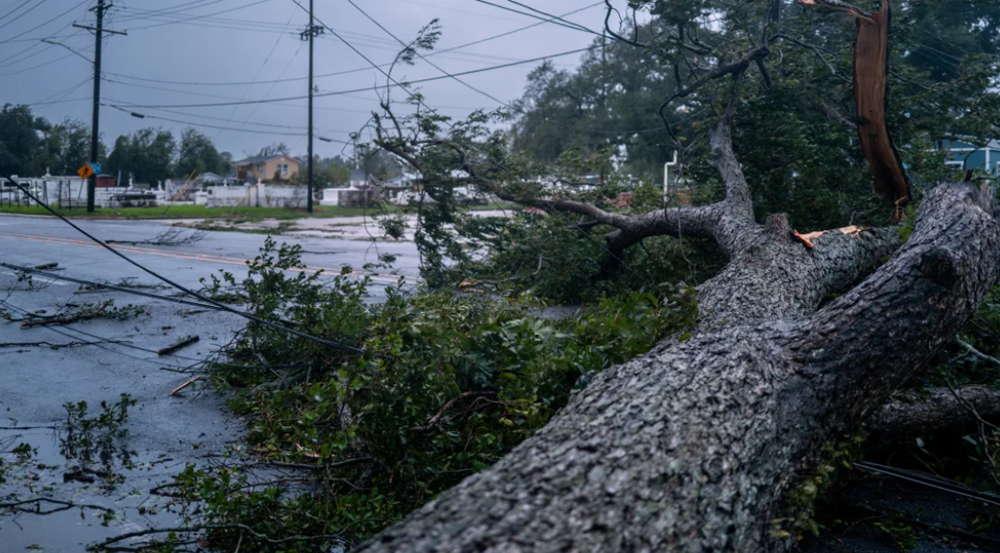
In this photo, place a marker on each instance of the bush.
(446, 386)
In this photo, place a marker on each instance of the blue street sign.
(96, 167)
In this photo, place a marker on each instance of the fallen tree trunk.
(693, 446)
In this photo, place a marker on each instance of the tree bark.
(693, 446)
(934, 411)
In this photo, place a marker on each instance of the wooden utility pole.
(99, 30)
(309, 34)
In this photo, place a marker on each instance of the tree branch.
(720, 71)
(933, 411)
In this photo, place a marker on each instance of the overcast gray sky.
(182, 42)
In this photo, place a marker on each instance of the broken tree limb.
(77, 317)
(933, 411)
(179, 345)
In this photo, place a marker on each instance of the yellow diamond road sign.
(85, 172)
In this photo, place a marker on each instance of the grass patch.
(202, 212)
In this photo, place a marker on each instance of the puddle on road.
(40, 474)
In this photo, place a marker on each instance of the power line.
(262, 66)
(338, 73)
(140, 13)
(555, 17)
(46, 23)
(187, 291)
(60, 95)
(432, 64)
(366, 89)
(364, 57)
(29, 10)
(197, 17)
(217, 127)
(268, 125)
(66, 331)
(572, 26)
(106, 286)
(32, 68)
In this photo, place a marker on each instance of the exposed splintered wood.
(187, 383)
(871, 83)
(871, 72)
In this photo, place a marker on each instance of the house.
(267, 168)
(964, 155)
(358, 178)
(206, 180)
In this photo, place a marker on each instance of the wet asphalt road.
(35, 382)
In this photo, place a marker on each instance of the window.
(955, 165)
(284, 169)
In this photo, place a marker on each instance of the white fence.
(257, 195)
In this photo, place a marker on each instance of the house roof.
(210, 177)
(263, 159)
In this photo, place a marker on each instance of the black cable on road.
(83, 282)
(190, 292)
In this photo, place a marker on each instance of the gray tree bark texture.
(934, 411)
(693, 446)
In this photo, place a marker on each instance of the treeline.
(31, 146)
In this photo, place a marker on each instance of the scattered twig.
(451, 403)
(64, 505)
(190, 529)
(83, 316)
(172, 237)
(179, 345)
(976, 353)
(185, 385)
(44, 345)
(338, 464)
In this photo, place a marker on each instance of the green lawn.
(200, 212)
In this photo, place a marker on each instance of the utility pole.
(309, 34)
(99, 30)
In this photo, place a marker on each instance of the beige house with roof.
(267, 168)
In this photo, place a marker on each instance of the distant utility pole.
(309, 34)
(100, 9)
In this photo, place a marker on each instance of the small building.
(267, 168)
(965, 155)
(208, 180)
(359, 179)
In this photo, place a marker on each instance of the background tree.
(147, 155)
(799, 141)
(20, 141)
(329, 172)
(277, 148)
(197, 153)
(66, 147)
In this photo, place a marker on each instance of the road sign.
(85, 172)
(95, 166)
